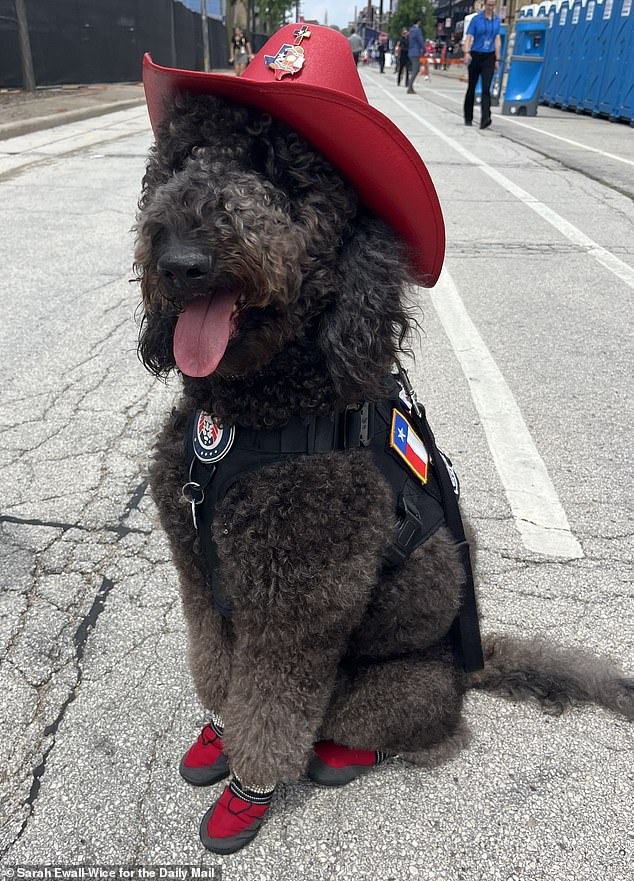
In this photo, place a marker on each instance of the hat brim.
(361, 142)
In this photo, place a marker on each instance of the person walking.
(482, 46)
(241, 52)
(381, 50)
(356, 44)
(416, 49)
(402, 51)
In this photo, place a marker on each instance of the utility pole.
(203, 16)
(173, 36)
(26, 58)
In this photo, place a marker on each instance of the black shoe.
(485, 123)
(411, 91)
(468, 122)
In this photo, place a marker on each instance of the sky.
(340, 12)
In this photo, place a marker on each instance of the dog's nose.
(185, 269)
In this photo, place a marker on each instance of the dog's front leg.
(299, 547)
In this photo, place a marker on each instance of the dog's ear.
(155, 346)
(365, 326)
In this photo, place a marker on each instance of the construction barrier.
(103, 41)
(589, 61)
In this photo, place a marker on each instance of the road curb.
(36, 123)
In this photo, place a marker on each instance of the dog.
(277, 285)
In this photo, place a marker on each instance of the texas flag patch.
(409, 446)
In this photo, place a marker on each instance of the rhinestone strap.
(257, 795)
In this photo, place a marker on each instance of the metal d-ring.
(194, 494)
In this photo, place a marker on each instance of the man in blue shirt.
(416, 49)
(482, 46)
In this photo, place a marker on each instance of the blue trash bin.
(526, 67)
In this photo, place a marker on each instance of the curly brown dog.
(280, 298)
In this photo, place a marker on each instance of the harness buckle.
(409, 535)
(367, 430)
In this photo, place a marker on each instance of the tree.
(408, 12)
(268, 15)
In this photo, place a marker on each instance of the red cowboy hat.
(305, 75)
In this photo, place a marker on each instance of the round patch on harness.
(212, 441)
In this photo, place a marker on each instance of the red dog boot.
(336, 765)
(235, 819)
(204, 763)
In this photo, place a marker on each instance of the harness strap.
(350, 429)
(321, 434)
(465, 629)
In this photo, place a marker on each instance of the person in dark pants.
(356, 44)
(403, 57)
(415, 51)
(482, 47)
(381, 49)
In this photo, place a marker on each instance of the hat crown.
(328, 62)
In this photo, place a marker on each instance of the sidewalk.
(453, 72)
(24, 112)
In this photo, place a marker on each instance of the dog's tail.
(557, 677)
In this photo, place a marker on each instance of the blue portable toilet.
(584, 56)
(617, 71)
(600, 28)
(557, 54)
(574, 40)
(496, 82)
(552, 61)
(566, 56)
(625, 101)
(625, 109)
(526, 67)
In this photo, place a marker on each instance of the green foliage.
(268, 15)
(407, 13)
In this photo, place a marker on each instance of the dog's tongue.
(202, 333)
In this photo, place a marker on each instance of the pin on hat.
(306, 76)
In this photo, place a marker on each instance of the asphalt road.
(526, 345)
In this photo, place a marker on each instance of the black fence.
(103, 41)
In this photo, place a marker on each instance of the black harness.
(218, 457)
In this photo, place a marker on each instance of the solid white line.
(611, 262)
(539, 516)
(532, 128)
(567, 140)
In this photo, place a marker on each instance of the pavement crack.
(80, 640)
(119, 529)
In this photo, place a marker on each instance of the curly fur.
(324, 641)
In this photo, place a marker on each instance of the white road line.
(444, 93)
(610, 261)
(539, 516)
